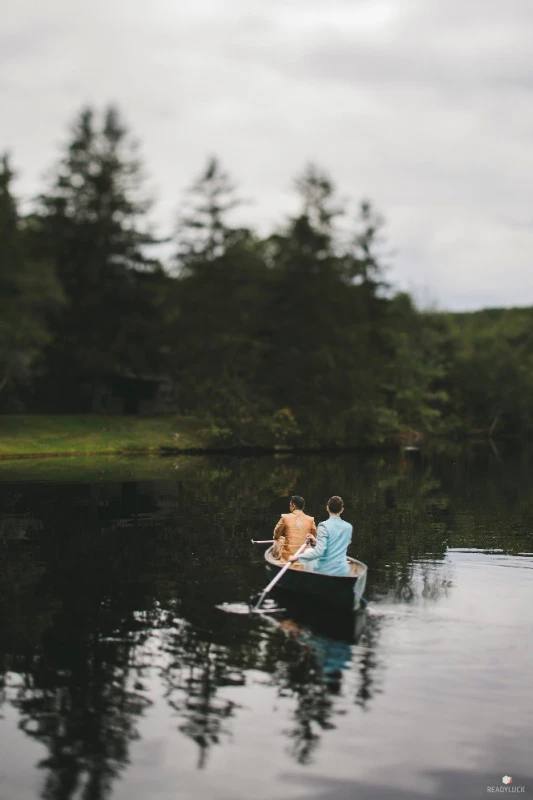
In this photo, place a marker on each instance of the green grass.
(92, 469)
(65, 435)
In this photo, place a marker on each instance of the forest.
(292, 337)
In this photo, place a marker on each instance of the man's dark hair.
(298, 501)
(335, 504)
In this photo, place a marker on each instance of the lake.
(120, 678)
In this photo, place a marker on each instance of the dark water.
(120, 679)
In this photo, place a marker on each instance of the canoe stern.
(334, 590)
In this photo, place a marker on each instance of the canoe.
(335, 590)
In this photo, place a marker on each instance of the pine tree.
(93, 224)
(28, 292)
(306, 308)
(218, 309)
(319, 210)
(204, 232)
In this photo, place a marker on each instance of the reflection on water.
(108, 600)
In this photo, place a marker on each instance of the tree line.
(290, 337)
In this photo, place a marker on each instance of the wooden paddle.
(278, 576)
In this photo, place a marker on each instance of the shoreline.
(49, 436)
(240, 450)
(54, 436)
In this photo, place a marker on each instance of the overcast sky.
(424, 106)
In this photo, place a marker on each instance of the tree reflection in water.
(77, 699)
(195, 671)
(304, 664)
(310, 664)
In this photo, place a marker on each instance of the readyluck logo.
(506, 788)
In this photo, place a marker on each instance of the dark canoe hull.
(333, 590)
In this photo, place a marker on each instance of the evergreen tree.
(319, 209)
(363, 263)
(320, 356)
(93, 224)
(304, 264)
(204, 232)
(218, 310)
(28, 291)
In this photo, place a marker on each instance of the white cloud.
(422, 106)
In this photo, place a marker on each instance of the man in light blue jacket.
(334, 535)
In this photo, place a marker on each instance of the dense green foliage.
(287, 338)
(29, 290)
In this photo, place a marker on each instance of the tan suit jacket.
(294, 527)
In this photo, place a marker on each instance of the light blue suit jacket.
(329, 554)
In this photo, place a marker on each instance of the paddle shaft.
(262, 541)
(280, 574)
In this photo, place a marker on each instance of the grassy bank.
(40, 435)
(95, 469)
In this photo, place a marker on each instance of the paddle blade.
(234, 608)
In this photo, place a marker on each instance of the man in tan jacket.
(296, 527)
